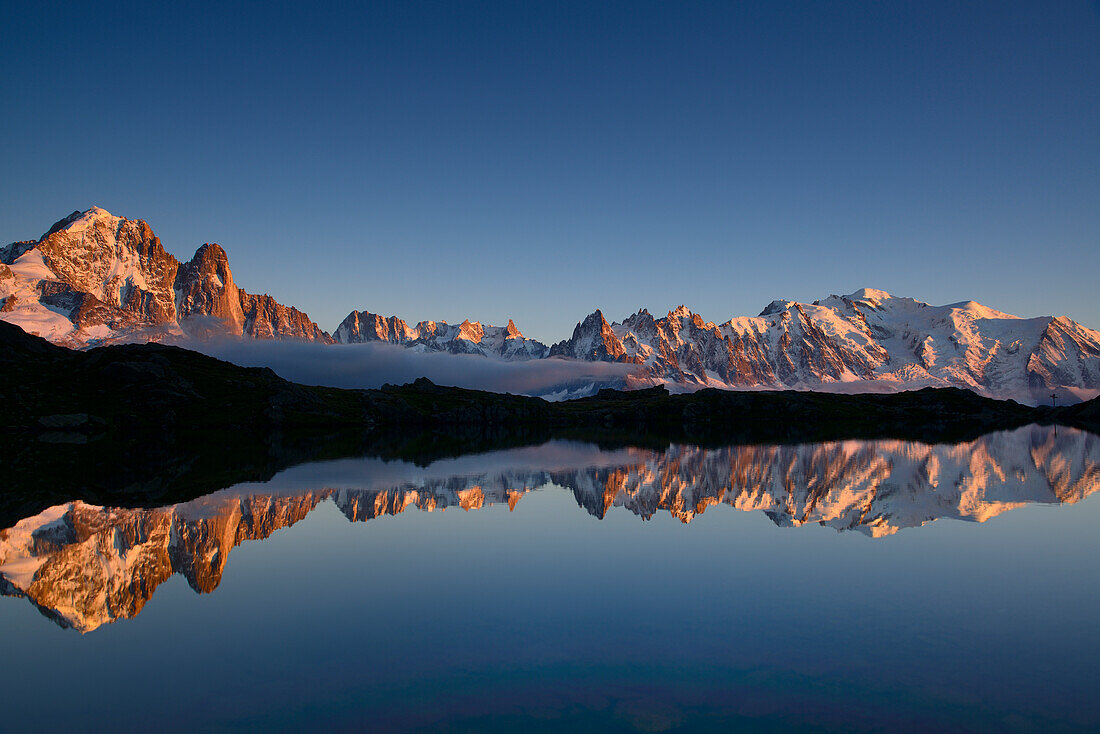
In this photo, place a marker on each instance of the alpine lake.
(857, 585)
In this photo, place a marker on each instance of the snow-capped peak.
(777, 306)
(871, 295)
(89, 218)
(978, 311)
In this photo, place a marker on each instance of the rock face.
(469, 337)
(95, 278)
(266, 318)
(84, 566)
(868, 339)
(594, 339)
(364, 326)
(208, 297)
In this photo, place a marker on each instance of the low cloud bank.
(372, 365)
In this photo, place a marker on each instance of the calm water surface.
(858, 585)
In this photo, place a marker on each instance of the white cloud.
(372, 365)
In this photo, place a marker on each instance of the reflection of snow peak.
(85, 566)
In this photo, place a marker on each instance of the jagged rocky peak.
(209, 300)
(95, 277)
(364, 326)
(681, 316)
(597, 325)
(641, 323)
(593, 339)
(266, 318)
(471, 331)
(680, 312)
(210, 258)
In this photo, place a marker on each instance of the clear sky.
(539, 160)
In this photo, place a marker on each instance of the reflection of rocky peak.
(469, 492)
(84, 566)
(95, 277)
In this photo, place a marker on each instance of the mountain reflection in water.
(84, 566)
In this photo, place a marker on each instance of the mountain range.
(865, 340)
(469, 337)
(84, 566)
(95, 278)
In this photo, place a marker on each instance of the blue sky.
(536, 161)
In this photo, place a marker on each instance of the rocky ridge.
(469, 337)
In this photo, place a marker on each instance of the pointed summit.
(98, 212)
(206, 288)
(681, 311)
(596, 318)
(471, 331)
(776, 306)
(210, 255)
(593, 339)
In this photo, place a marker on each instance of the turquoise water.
(871, 586)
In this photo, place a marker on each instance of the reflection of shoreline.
(84, 566)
